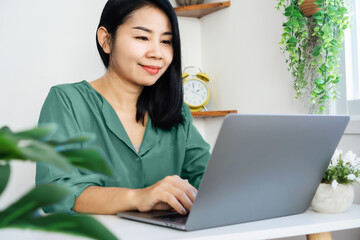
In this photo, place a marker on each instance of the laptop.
(262, 166)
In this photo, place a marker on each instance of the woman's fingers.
(162, 206)
(183, 198)
(190, 191)
(171, 192)
(181, 189)
(173, 202)
(186, 187)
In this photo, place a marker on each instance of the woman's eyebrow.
(150, 31)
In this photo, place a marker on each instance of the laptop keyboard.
(176, 217)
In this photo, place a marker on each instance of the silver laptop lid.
(264, 166)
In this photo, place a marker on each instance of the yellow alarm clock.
(196, 91)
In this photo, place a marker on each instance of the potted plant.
(312, 45)
(30, 145)
(188, 2)
(336, 193)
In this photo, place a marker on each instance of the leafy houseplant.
(336, 193)
(30, 145)
(312, 46)
(342, 169)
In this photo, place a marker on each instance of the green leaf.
(81, 225)
(79, 139)
(287, 29)
(336, 81)
(317, 51)
(5, 130)
(19, 146)
(4, 176)
(39, 196)
(289, 8)
(332, 8)
(40, 152)
(8, 146)
(319, 81)
(285, 35)
(292, 40)
(289, 24)
(297, 14)
(322, 108)
(317, 15)
(317, 91)
(334, 42)
(35, 133)
(325, 97)
(88, 159)
(288, 14)
(322, 68)
(336, 92)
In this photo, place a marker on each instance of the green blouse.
(78, 108)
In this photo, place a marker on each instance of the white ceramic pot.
(329, 200)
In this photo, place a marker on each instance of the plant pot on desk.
(329, 200)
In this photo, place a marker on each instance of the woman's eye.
(142, 38)
(167, 42)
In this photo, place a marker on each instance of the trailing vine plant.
(312, 45)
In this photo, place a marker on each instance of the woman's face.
(142, 49)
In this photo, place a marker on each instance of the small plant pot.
(189, 2)
(308, 8)
(329, 200)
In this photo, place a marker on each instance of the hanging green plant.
(312, 45)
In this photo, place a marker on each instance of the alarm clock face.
(196, 92)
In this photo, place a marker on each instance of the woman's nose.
(155, 51)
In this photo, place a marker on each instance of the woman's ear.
(104, 39)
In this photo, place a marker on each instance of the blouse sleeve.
(57, 109)
(197, 153)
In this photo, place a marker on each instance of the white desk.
(301, 224)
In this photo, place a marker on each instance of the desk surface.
(301, 224)
(295, 225)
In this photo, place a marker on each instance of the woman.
(136, 111)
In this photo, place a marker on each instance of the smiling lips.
(153, 70)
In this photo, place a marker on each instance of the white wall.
(43, 43)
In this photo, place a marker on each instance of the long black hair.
(163, 100)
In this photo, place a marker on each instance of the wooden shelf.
(200, 10)
(213, 113)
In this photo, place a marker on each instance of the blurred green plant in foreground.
(30, 145)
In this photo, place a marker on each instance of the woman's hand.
(170, 193)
